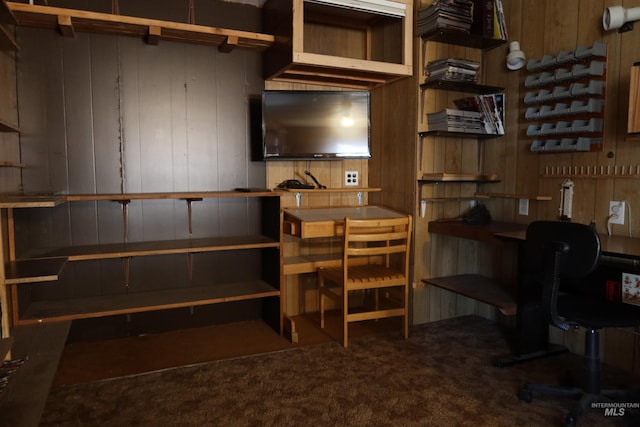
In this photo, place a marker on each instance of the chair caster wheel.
(525, 395)
(570, 421)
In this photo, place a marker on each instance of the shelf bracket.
(65, 26)
(230, 43)
(360, 198)
(125, 217)
(298, 199)
(190, 211)
(153, 34)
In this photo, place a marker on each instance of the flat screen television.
(315, 125)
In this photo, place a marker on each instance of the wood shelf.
(310, 263)
(33, 270)
(329, 190)
(167, 247)
(479, 288)
(68, 21)
(136, 302)
(5, 164)
(486, 233)
(52, 200)
(459, 177)
(454, 86)
(460, 38)
(458, 134)
(513, 196)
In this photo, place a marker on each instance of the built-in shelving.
(69, 21)
(195, 286)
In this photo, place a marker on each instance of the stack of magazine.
(452, 120)
(452, 69)
(445, 14)
(481, 114)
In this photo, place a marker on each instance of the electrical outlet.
(616, 212)
(523, 207)
(351, 178)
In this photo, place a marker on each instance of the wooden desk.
(312, 223)
(316, 223)
(615, 246)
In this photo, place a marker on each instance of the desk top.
(619, 246)
(339, 213)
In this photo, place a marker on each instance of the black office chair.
(563, 253)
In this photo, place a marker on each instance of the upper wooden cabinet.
(358, 44)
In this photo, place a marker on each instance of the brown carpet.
(442, 375)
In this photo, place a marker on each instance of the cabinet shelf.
(137, 302)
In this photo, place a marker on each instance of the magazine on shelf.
(449, 14)
(453, 120)
(490, 106)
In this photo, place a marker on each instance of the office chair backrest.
(557, 251)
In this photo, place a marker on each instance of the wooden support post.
(65, 26)
(229, 44)
(153, 34)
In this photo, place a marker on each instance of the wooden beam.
(229, 43)
(65, 26)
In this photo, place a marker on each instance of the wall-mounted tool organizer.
(566, 98)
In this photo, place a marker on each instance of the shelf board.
(5, 164)
(136, 302)
(176, 195)
(479, 288)
(30, 201)
(480, 232)
(165, 247)
(461, 38)
(67, 21)
(461, 87)
(458, 134)
(329, 190)
(459, 177)
(513, 196)
(33, 270)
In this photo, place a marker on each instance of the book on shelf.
(491, 107)
(488, 19)
(445, 14)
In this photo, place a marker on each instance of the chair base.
(585, 401)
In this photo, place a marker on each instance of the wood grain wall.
(541, 27)
(9, 141)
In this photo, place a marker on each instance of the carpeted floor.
(442, 375)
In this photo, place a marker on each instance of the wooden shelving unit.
(69, 21)
(33, 266)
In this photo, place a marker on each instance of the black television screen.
(315, 124)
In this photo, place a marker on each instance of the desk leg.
(532, 328)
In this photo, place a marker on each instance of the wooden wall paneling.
(106, 127)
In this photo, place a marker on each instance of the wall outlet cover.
(351, 178)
